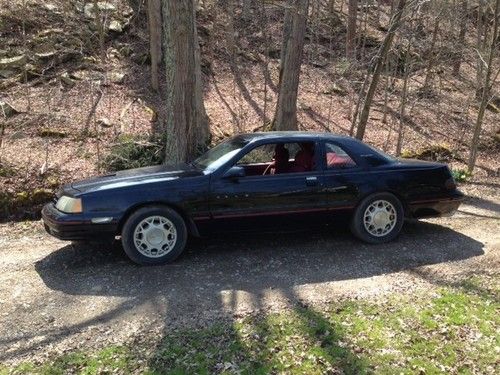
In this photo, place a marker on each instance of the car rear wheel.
(154, 235)
(378, 218)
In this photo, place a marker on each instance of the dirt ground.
(57, 297)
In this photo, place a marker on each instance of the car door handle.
(311, 181)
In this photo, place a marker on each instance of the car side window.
(261, 154)
(337, 158)
(279, 158)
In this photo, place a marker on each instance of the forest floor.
(71, 107)
(59, 299)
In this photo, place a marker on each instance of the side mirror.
(235, 172)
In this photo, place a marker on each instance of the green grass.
(113, 359)
(453, 330)
(461, 175)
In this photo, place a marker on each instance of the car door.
(342, 177)
(260, 196)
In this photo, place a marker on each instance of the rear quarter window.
(337, 158)
(374, 160)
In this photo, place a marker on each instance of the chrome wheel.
(380, 218)
(155, 236)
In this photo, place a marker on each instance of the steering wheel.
(268, 169)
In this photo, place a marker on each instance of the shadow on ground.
(216, 273)
(252, 262)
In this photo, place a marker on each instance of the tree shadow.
(485, 204)
(484, 183)
(235, 71)
(226, 274)
(478, 215)
(469, 286)
(255, 262)
(260, 344)
(408, 120)
(268, 78)
(489, 171)
(322, 121)
(329, 337)
(236, 120)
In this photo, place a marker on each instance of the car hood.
(136, 176)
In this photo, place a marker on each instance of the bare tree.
(101, 30)
(155, 32)
(404, 96)
(351, 29)
(379, 63)
(486, 89)
(186, 127)
(461, 37)
(479, 38)
(294, 30)
(426, 88)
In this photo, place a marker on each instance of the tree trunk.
(379, 63)
(461, 38)
(351, 29)
(154, 23)
(202, 126)
(265, 68)
(386, 91)
(294, 29)
(186, 127)
(101, 30)
(485, 92)
(361, 94)
(402, 114)
(363, 27)
(479, 36)
(431, 60)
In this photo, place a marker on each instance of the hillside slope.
(71, 92)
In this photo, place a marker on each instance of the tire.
(154, 235)
(378, 218)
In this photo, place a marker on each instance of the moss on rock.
(27, 201)
(51, 133)
(432, 152)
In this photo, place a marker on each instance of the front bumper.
(75, 227)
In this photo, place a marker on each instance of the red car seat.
(281, 160)
(303, 161)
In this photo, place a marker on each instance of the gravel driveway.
(55, 296)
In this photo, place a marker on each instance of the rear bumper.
(436, 207)
(75, 226)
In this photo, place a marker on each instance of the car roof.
(290, 135)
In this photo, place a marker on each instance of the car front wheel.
(378, 218)
(154, 235)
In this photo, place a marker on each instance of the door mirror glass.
(235, 172)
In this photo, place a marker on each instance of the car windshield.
(220, 154)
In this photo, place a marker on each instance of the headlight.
(69, 205)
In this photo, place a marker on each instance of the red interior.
(336, 161)
(281, 163)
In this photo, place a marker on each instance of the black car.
(249, 180)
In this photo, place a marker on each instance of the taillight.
(450, 184)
